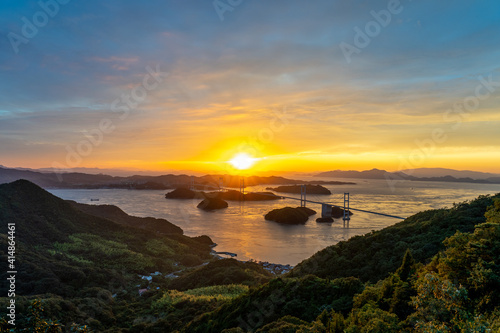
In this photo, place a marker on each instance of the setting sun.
(242, 161)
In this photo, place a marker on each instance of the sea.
(242, 229)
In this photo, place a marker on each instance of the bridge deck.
(319, 203)
(350, 208)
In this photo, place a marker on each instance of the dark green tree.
(408, 267)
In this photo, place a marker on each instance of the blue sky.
(227, 77)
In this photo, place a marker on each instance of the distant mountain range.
(442, 172)
(141, 182)
(422, 174)
(47, 179)
(110, 171)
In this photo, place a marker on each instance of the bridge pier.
(326, 214)
(326, 211)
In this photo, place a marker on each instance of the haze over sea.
(242, 229)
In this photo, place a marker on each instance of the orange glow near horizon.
(317, 162)
(283, 155)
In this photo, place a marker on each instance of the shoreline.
(276, 269)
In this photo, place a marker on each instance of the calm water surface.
(242, 229)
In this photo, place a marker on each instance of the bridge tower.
(346, 209)
(303, 194)
(191, 185)
(242, 185)
(221, 184)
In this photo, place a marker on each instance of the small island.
(233, 195)
(212, 203)
(290, 215)
(211, 200)
(230, 195)
(183, 193)
(296, 189)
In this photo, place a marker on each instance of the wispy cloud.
(227, 78)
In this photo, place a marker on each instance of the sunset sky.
(163, 85)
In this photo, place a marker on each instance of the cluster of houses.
(276, 269)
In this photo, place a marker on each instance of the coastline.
(276, 269)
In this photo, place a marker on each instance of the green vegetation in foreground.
(83, 267)
(303, 298)
(456, 291)
(373, 256)
(76, 269)
(222, 272)
(437, 271)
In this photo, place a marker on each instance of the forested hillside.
(76, 261)
(96, 269)
(456, 290)
(373, 256)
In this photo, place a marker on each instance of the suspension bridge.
(326, 207)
